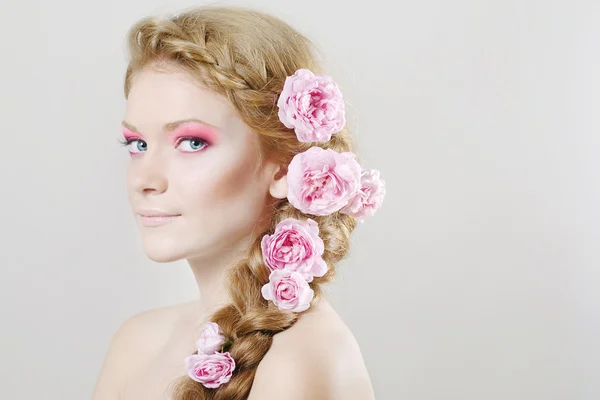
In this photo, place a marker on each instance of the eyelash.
(127, 142)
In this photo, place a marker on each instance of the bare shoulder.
(134, 342)
(317, 358)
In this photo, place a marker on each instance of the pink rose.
(369, 197)
(211, 339)
(312, 105)
(296, 246)
(288, 290)
(211, 370)
(322, 181)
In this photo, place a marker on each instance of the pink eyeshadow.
(127, 134)
(194, 129)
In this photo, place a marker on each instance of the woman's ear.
(279, 184)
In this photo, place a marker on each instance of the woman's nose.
(149, 175)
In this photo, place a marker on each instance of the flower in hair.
(211, 370)
(369, 197)
(322, 181)
(295, 246)
(312, 105)
(211, 339)
(288, 290)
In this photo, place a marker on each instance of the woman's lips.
(157, 219)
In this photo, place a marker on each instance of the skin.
(219, 194)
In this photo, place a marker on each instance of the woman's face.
(203, 174)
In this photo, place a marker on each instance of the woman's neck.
(210, 274)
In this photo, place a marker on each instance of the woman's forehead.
(157, 99)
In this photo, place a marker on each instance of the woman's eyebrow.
(170, 126)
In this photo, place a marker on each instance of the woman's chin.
(162, 253)
(162, 257)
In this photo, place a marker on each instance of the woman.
(240, 164)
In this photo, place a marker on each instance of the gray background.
(479, 277)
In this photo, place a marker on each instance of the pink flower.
(312, 105)
(211, 370)
(288, 290)
(211, 339)
(322, 181)
(296, 246)
(369, 197)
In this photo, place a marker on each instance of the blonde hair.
(246, 56)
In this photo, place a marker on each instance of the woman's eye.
(190, 145)
(187, 145)
(135, 145)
